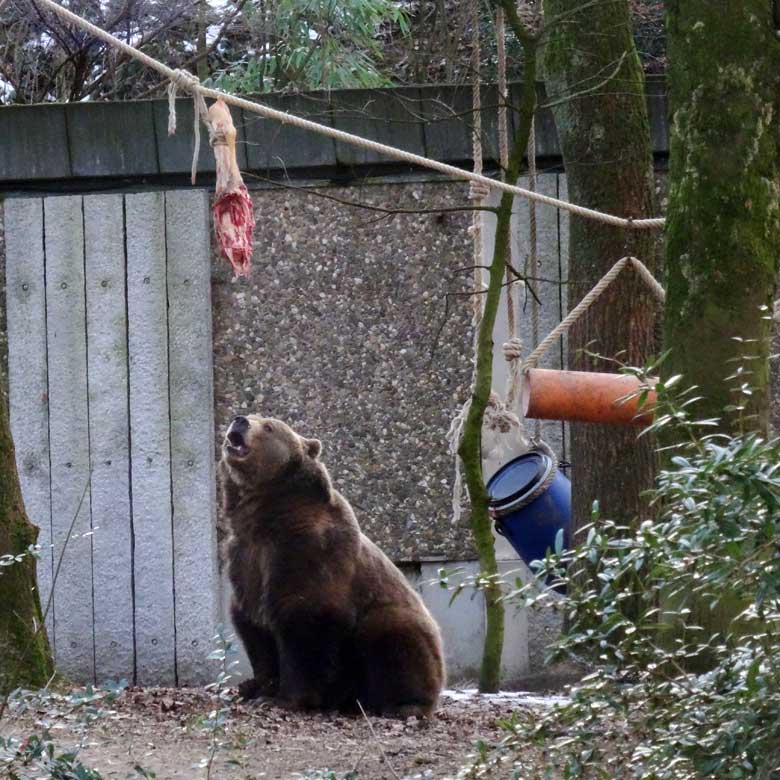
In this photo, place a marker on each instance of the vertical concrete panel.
(69, 435)
(514, 661)
(192, 431)
(150, 457)
(462, 623)
(27, 372)
(243, 669)
(112, 563)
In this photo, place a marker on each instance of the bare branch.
(358, 205)
(589, 90)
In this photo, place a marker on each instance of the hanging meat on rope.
(234, 218)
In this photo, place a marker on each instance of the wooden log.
(584, 396)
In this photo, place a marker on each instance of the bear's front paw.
(249, 689)
(301, 702)
(257, 689)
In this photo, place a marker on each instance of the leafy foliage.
(258, 45)
(667, 700)
(313, 44)
(225, 653)
(38, 755)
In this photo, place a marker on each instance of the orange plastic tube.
(582, 396)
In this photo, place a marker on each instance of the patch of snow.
(514, 697)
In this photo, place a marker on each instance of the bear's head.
(262, 450)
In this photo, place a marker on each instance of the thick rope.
(349, 138)
(191, 83)
(566, 324)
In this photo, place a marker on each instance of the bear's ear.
(313, 447)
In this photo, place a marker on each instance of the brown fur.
(325, 617)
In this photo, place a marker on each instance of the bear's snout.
(239, 423)
(235, 439)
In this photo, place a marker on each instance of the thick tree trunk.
(723, 229)
(595, 81)
(723, 225)
(25, 657)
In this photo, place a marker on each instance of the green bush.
(667, 698)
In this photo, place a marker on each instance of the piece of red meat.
(234, 218)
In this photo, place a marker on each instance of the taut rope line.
(339, 135)
(565, 325)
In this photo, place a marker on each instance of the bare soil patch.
(161, 730)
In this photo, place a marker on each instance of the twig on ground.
(379, 744)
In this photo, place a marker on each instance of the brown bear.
(325, 617)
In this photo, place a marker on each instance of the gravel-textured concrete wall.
(334, 333)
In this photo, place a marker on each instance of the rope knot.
(185, 79)
(513, 349)
(478, 190)
(181, 79)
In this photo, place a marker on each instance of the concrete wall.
(354, 327)
(111, 402)
(90, 142)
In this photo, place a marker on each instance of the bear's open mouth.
(236, 444)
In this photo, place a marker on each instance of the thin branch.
(123, 59)
(187, 64)
(356, 204)
(588, 90)
(379, 744)
(4, 701)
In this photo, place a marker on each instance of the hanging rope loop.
(191, 83)
(513, 349)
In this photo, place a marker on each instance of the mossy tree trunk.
(595, 82)
(723, 223)
(25, 656)
(723, 227)
(470, 448)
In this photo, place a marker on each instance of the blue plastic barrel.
(530, 501)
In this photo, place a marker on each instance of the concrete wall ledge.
(59, 145)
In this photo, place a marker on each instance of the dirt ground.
(161, 730)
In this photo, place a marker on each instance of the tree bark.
(723, 225)
(723, 228)
(201, 46)
(25, 656)
(596, 85)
